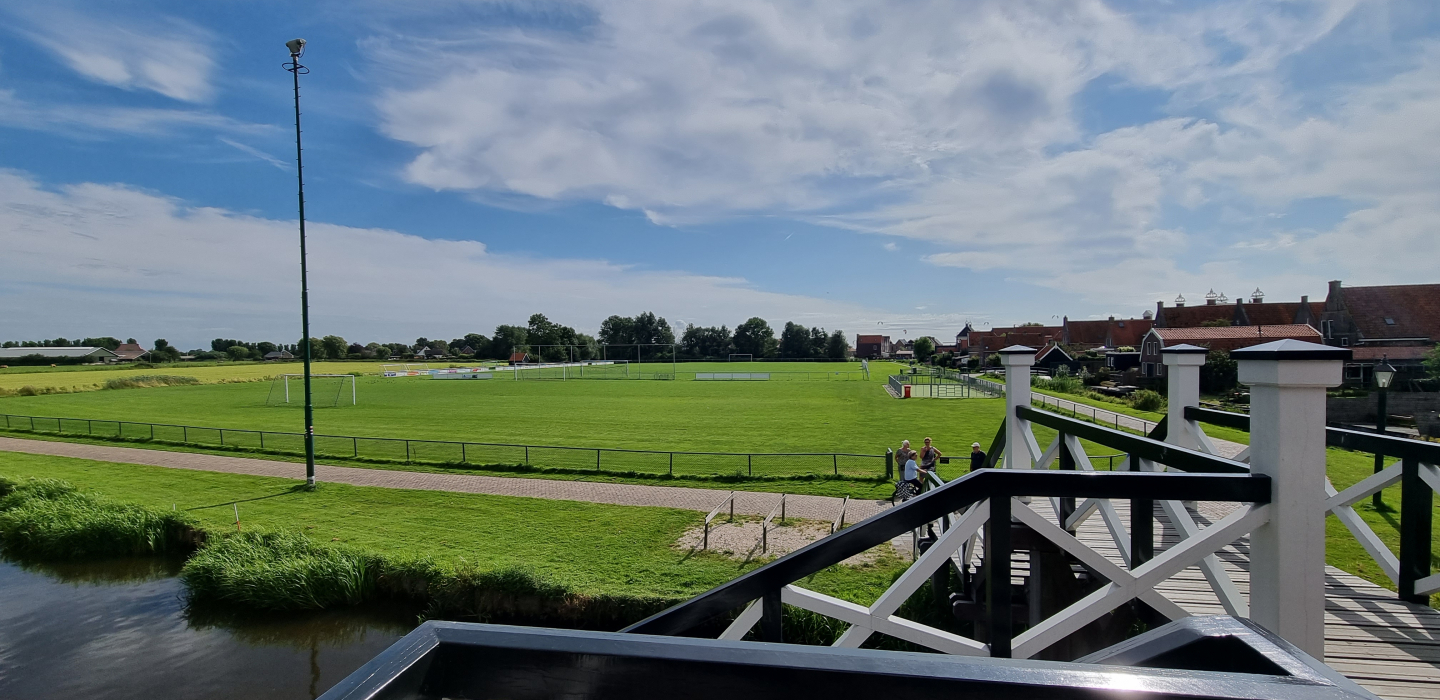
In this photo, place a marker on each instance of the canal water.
(122, 629)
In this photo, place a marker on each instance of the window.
(1345, 342)
(1328, 328)
(1389, 321)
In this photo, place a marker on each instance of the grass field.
(586, 549)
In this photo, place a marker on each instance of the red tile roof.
(1414, 308)
(1116, 332)
(1277, 332)
(876, 339)
(1375, 352)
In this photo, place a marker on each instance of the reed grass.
(51, 519)
(146, 381)
(279, 571)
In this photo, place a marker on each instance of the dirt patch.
(740, 540)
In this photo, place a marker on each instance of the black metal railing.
(1209, 478)
(1416, 496)
(412, 451)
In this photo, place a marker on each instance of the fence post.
(998, 629)
(672, 464)
(222, 437)
(407, 451)
(750, 464)
(1067, 503)
(1287, 380)
(1416, 524)
(597, 460)
(1017, 360)
(1182, 373)
(889, 463)
(355, 447)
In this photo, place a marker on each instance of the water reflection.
(121, 629)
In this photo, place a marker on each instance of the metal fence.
(593, 459)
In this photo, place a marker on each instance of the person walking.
(977, 457)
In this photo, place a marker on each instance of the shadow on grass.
(293, 490)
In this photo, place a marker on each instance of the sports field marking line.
(685, 498)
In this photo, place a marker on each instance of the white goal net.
(735, 357)
(326, 390)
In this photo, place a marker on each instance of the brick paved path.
(746, 502)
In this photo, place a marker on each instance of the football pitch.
(814, 408)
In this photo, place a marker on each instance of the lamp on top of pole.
(1384, 374)
(297, 49)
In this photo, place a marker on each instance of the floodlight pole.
(295, 70)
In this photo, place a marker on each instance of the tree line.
(644, 336)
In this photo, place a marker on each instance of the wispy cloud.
(257, 153)
(160, 54)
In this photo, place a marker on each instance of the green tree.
(700, 341)
(237, 352)
(1219, 373)
(755, 337)
(164, 352)
(544, 332)
(837, 347)
(617, 330)
(335, 347)
(103, 342)
(507, 340)
(1432, 362)
(924, 348)
(795, 341)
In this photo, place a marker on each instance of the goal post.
(280, 389)
(409, 369)
(741, 357)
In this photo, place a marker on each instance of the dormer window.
(1389, 321)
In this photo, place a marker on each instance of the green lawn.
(589, 549)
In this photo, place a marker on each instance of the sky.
(897, 168)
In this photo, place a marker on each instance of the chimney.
(1112, 318)
(1180, 301)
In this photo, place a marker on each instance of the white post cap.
(1290, 363)
(1017, 356)
(1184, 355)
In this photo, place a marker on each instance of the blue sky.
(897, 167)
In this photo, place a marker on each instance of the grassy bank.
(469, 556)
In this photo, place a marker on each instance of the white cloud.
(959, 124)
(162, 54)
(102, 259)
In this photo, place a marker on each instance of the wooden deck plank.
(1389, 647)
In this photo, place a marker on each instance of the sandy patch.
(740, 540)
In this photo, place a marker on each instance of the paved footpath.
(704, 500)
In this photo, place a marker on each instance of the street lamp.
(297, 48)
(1384, 374)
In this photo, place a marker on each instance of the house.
(68, 353)
(1226, 338)
(428, 354)
(872, 347)
(962, 339)
(1121, 360)
(278, 355)
(129, 352)
(519, 358)
(1399, 323)
(1110, 333)
(1053, 356)
(467, 350)
(1258, 312)
(985, 343)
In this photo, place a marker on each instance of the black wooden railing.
(1211, 478)
(1416, 496)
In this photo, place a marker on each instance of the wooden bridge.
(1177, 526)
